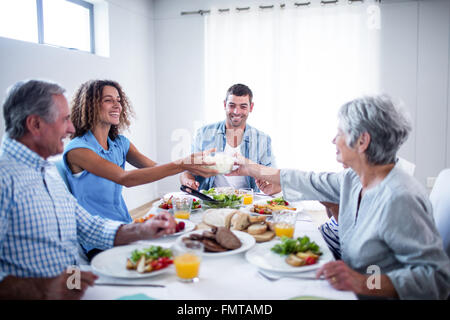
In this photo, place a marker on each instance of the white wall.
(130, 63)
(414, 60)
(158, 57)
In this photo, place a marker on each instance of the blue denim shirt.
(256, 146)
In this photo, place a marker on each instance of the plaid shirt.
(40, 221)
(256, 146)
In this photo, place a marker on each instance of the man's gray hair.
(387, 125)
(25, 98)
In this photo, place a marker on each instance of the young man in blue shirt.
(233, 135)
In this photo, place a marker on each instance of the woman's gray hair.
(25, 98)
(387, 125)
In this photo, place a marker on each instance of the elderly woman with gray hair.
(385, 217)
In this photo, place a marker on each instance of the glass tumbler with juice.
(187, 260)
(285, 223)
(182, 207)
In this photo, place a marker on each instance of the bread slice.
(257, 229)
(266, 236)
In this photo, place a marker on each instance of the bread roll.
(266, 236)
(218, 217)
(257, 229)
(256, 219)
(240, 221)
(271, 226)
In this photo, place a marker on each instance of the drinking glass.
(182, 207)
(247, 195)
(187, 260)
(285, 223)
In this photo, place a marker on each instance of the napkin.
(138, 296)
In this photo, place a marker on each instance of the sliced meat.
(212, 246)
(227, 239)
(190, 243)
(196, 236)
(209, 235)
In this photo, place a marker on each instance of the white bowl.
(224, 162)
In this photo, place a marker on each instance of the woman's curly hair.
(86, 104)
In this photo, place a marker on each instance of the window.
(302, 64)
(18, 20)
(64, 23)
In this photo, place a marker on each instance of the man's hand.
(57, 288)
(160, 225)
(188, 180)
(267, 187)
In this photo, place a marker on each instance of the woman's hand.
(196, 164)
(267, 187)
(342, 277)
(244, 166)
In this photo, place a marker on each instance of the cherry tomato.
(310, 260)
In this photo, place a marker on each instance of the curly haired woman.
(95, 158)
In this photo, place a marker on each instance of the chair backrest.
(440, 199)
(61, 170)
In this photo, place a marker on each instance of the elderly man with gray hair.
(41, 223)
(385, 216)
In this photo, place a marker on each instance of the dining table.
(223, 277)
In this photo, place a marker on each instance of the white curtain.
(302, 64)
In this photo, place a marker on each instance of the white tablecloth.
(225, 278)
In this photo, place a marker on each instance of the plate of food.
(267, 207)
(165, 203)
(133, 261)
(225, 198)
(288, 255)
(220, 241)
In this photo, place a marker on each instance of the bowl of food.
(224, 162)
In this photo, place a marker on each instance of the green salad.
(301, 244)
(153, 252)
(225, 200)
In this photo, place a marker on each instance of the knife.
(129, 284)
(198, 194)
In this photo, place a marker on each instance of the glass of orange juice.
(285, 223)
(187, 260)
(182, 207)
(247, 195)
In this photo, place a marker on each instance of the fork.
(273, 277)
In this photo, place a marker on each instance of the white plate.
(262, 257)
(112, 262)
(247, 243)
(188, 227)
